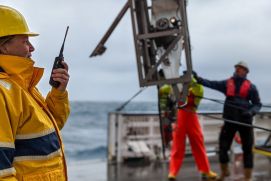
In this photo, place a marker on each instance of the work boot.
(224, 171)
(171, 177)
(209, 175)
(248, 174)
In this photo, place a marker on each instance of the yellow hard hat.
(12, 22)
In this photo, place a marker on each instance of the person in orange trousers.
(188, 126)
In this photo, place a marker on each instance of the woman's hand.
(62, 76)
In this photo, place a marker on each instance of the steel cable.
(128, 101)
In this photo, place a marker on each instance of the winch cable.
(239, 123)
(232, 105)
(266, 106)
(228, 120)
(213, 117)
(128, 101)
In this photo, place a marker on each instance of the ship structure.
(136, 141)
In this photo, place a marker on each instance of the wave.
(94, 153)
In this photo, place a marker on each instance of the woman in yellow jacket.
(30, 143)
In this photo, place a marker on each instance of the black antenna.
(58, 62)
(62, 47)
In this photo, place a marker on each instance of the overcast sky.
(223, 32)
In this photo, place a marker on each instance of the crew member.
(188, 126)
(241, 104)
(30, 143)
(167, 110)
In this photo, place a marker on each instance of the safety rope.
(128, 101)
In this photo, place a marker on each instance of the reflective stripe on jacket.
(30, 143)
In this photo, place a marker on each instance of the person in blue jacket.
(241, 104)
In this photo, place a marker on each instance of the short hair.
(4, 40)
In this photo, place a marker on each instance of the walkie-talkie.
(58, 62)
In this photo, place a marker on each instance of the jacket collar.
(21, 70)
(235, 76)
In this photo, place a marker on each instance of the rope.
(231, 103)
(222, 101)
(266, 106)
(128, 101)
(230, 121)
(239, 123)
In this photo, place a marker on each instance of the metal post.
(100, 48)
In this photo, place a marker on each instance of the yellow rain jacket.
(30, 144)
(164, 94)
(195, 94)
(197, 90)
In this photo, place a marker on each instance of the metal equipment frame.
(144, 39)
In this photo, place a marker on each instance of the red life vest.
(244, 89)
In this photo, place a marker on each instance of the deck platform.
(157, 171)
(137, 136)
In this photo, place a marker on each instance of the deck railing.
(136, 136)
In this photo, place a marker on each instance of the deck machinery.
(161, 36)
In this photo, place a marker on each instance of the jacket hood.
(21, 70)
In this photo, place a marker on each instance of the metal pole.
(100, 49)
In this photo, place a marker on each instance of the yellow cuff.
(57, 93)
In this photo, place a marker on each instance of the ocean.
(85, 136)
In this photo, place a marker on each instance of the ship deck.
(145, 128)
(157, 171)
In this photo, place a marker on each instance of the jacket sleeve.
(58, 104)
(255, 100)
(7, 147)
(198, 91)
(216, 85)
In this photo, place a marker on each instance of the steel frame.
(145, 46)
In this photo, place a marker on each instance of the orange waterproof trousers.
(188, 125)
